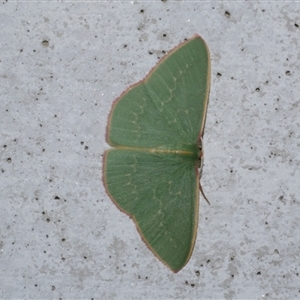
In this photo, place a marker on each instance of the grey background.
(60, 234)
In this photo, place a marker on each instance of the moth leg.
(201, 190)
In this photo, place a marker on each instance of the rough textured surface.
(61, 67)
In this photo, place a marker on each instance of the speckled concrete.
(61, 67)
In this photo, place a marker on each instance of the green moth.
(156, 128)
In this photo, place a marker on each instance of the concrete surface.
(62, 64)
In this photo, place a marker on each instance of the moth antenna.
(201, 190)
